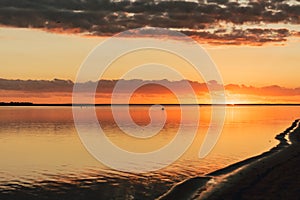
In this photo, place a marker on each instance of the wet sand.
(274, 174)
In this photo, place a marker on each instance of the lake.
(42, 156)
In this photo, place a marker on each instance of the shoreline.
(252, 178)
(30, 104)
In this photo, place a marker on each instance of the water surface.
(42, 156)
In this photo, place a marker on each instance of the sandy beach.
(274, 174)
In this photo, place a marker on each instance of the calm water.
(42, 157)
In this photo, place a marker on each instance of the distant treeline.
(87, 105)
(12, 103)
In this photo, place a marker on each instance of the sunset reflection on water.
(39, 144)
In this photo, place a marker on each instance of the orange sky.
(151, 93)
(35, 54)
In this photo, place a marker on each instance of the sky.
(253, 43)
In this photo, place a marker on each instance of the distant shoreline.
(163, 104)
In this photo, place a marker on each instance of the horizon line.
(141, 104)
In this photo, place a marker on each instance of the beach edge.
(233, 181)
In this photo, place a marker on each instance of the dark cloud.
(105, 87)
(273, 90)
(56, 85)
(104, 17)
(251, 36)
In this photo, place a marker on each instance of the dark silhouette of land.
(274, 174)
(13, 103)
(141, 104)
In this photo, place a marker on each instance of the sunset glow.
(252, 66)
(149, 99)
(258, 62)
